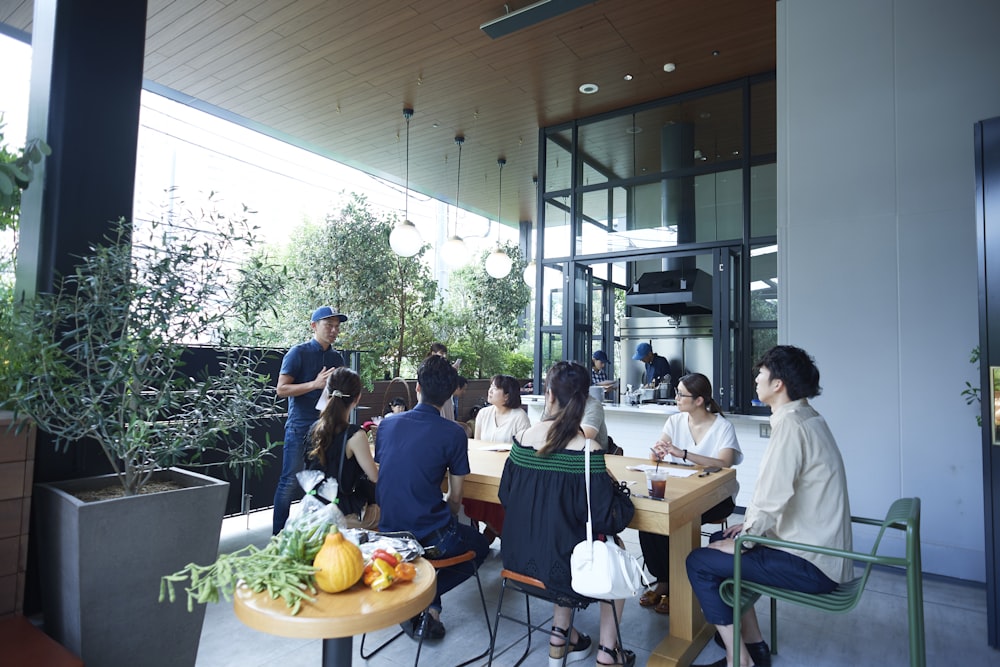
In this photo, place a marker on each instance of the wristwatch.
(685, 456)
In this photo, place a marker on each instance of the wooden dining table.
(678, 515)
(336, 618)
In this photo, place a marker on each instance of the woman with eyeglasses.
(700, 435)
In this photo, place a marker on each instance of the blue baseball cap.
(324, 312)
(600, 356)
(642, 351)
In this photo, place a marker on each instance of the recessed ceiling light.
(628, 77)
(669, 67)
(589, 88)
(705, 115)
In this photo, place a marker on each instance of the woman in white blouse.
(503, 418)
(500, 421)
(698, 434)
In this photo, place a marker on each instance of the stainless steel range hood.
(676, 292)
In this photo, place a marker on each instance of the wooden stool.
(440, 563)
(534, 588)
(24, 645)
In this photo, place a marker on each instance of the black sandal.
(622, 656)
(573, 652)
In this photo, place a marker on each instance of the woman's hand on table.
(660, 450)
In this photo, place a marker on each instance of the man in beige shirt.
(800, 496)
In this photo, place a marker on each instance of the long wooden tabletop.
(678, 516)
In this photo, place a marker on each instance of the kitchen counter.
(635, 428)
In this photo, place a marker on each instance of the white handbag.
(603, 570)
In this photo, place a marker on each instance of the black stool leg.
(423, 632)
(381, 646)
(486, 615)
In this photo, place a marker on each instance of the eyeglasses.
(680, 395)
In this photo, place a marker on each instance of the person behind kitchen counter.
(657, 367)
(415, 450)
(305, 369)
(599, 370)
(543, 489)
(800, 496)
(697, 434)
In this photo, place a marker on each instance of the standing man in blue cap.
(304, 371)
(657, 367)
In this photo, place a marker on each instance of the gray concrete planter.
(101, 563)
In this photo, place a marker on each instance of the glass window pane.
(764, 284)
(763, 118)
(552, 295)
(597, 209)
(597, 312)
(761, 340)
(608, 148)
(557, 232)
(552, 351)
(558, 160)
(764, 200)
(718, 200)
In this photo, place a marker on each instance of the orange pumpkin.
(339, 562)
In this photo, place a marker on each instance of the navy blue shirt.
(415, 451)
(657, 368)
(304, 362)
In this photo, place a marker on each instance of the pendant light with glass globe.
(453, 251)
(404, 239)
(499, 263)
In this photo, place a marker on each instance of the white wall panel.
(876, 105)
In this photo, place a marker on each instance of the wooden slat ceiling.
(336, 74)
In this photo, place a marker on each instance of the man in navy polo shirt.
(415, 450)
(302, 378)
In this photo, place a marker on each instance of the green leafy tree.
(347, 263)
(482, 324)
(16, 173)
(108, 352)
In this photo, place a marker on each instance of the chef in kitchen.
(657, 367)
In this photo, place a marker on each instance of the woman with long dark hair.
(543, 489)
(701, 435)
(341, 450)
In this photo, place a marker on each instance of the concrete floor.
(873, 634)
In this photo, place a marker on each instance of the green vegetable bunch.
(301, 545)
(283, 568)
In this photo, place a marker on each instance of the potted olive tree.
(108, 363)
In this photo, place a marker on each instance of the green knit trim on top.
(561, 461)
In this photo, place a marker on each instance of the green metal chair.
(904, 515)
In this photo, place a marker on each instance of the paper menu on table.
(673, 471)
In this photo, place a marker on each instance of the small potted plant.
(108, 362)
